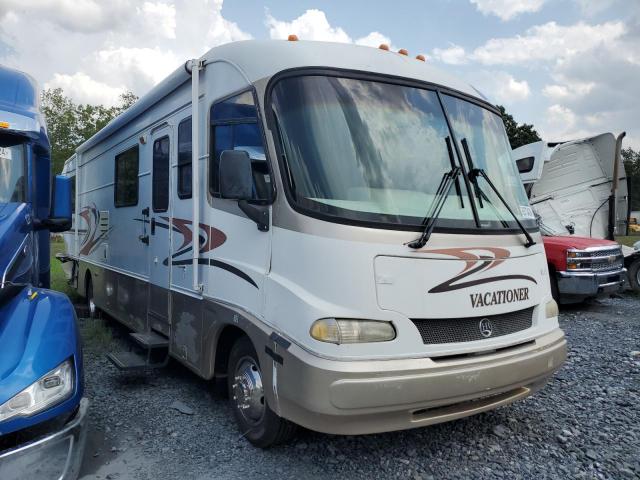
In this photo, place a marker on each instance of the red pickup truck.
(581, 268)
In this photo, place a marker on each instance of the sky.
(570, 67)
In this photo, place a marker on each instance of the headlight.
(338, 330)
(51, 389)
(551, 309)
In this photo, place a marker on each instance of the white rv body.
(273, 285)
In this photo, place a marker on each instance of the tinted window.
(160, 189)
(525, 165)
(184, 158)
(234, 126)
(126, 182)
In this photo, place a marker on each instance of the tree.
(519, 134)
(70, 124)
(631, 160)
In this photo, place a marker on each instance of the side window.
(160, 185)
(234, 126)
(126, 181)
(184, 158)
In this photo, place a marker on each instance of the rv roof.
(258, 59)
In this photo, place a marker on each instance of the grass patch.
(96, 334)
(58, 278)
(627, 240)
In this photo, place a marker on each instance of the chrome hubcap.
(247, 390)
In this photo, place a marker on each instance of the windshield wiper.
(474, 173)
(429, 221)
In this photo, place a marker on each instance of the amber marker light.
(4, 125)
(384, 46)
(292, 38)
(421, 58)
(403, 51)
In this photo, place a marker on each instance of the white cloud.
(453, 55)
(557, 92)
(374, 39)
(311, 25)
(95, 49)
(86, 90)
(160, 18)
(314, 25)
(507, 9)
(501, 87)
(74, 15)
(547, 42)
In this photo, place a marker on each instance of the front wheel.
(256, 421)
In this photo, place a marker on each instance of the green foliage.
(70, 124)
(519, 134)
(631, 160)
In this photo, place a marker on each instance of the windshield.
(375, 152)
(490, 150)
(12, 170)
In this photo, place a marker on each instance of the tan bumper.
(359, 397)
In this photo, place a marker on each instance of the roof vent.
(292, 38)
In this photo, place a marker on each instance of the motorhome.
(337, 231)
(578, 190)
(43, 412)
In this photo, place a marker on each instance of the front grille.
(606, 266)
(604, 253)
(453, 330)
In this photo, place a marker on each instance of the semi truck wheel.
(256, 421)
(634, 275)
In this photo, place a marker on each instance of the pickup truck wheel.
(256, 421)
(634, 275)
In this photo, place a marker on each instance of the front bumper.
(588, 284)
(360, 397)
(55, 456)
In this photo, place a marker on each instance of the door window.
(160, 189)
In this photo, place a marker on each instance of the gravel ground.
(584, 424)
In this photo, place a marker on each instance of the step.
(128, 360)
(150, 340)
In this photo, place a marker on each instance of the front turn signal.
(551, 309)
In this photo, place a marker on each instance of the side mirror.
(236, 176)
(236, 182)
(60, 219)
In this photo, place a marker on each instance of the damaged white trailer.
(580, 188)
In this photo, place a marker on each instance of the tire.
(256, 421)
(634, 274)
(91, 304)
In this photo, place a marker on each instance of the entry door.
(159, 232)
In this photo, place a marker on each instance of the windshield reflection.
(376, 152)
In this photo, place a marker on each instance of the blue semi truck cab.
(42, 410)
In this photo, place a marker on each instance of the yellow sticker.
(33, 295)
